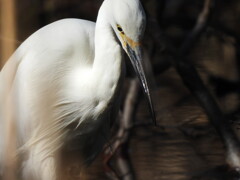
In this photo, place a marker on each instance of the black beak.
(135, 56)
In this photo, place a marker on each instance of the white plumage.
(63, 86)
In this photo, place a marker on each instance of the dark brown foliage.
(189, 147)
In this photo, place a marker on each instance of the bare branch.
(198, 28)
(193, 81)
(122, 136)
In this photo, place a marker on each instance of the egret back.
(36, 77)
(65, 84)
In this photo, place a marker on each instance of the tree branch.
(121, 141)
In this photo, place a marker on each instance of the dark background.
(189, 147)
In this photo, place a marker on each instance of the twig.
(193, 81)
(197, 30)
(122, 137)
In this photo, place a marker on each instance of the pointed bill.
(136, 60)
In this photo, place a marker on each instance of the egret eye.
(120, 29)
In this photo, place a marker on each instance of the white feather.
(63, 83)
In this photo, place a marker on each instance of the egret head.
(128, 22)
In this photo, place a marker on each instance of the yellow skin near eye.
(127, 40)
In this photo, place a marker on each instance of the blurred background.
(189, 147)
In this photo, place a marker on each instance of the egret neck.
(108, 66)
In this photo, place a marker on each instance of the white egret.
(63, 85)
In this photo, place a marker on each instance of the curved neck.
(105, 41)
(108, 62)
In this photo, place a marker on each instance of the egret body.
(63, 83)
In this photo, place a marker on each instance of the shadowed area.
(189, 148)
